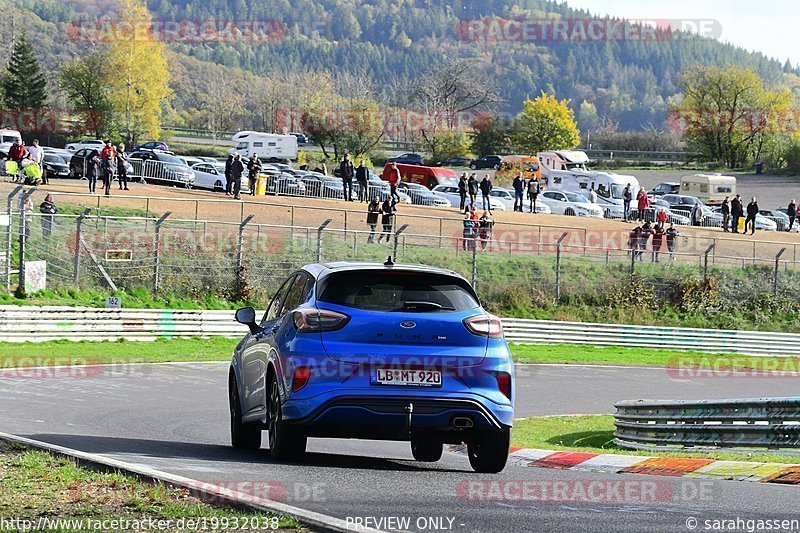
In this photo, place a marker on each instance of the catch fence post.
(319, 239)
(157, 254)
(240, 250)
(777, 266)
(76, 260)
(22, 240)
(558, 266)
(705, 261)
(10, 235)
(397, 233)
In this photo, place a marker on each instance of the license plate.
(415, 378)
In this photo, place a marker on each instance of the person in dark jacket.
(472, 190)
(237, 169)
(462, 192)
(107, 167)
(485, 225)
(253, 168)
(658, 240)
(347, 171)
(627, 196)
(752, 211)
(388, 210)
(736, 213)
(791, 210)
(644, 236)
(671, 234)
(122, 172)
(362, 178)
(48, 210)
(534, 188)
(469, 231)
(486, 189)
(228, 175)
(519, 189)
(633, 240)
(92, 163)
(373, 212)
(725, 209)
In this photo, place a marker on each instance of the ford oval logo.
(407, 324)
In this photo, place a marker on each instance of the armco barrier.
(771, 423)
(29, 323)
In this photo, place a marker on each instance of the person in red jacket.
(644, 203)
(394, 181)
(17, 152)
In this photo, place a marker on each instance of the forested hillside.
(385, 41)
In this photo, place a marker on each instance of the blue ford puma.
(374, 351)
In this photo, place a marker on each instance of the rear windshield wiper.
(427, 306)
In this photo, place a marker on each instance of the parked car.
(450, 192)
(285, 184)
(658, 206)
(381, 320)
(507, 197)
(301, 138)
(152, 145)
(429, 177)
(421, 195)
(679, 202)
(570, 204)
(381, 189)
(155, 166)
(762, 223)
(668, 187)
(77, 163)
(97, 144)
(487, 161)
(407, 159)
(452, 162)
(211, 176)
(189, 160)
(780, 218)
(55, 166)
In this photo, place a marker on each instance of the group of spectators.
(27, 163)
(476, 229)
(48, 210)
(234, 169)
(732, 211)
(639, 237)
(108, 164)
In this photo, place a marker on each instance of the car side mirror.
(247, 316)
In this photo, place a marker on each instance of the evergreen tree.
(23, 85)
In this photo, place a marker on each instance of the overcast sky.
(768, 26)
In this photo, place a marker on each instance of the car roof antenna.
(388, 262)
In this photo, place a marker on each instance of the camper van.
(563, 160)
(710, 188)
(608, 186)
(7, 138)
(268, 146)
(512, 165)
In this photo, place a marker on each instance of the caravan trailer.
(710, 188)
(268, 146)
(608, 186)
(563, 160)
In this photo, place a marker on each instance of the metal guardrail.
(772, 423)
(29, 323)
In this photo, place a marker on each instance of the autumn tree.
(728, 113)
(545, 124)
(86, 83)
(491, 134)
(140, 81)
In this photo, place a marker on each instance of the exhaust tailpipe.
(462, 422)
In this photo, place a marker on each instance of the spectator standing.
(736, 213)
(237, 169)
(534, 188)
(394, 181)
(91, 164)
(519, 187)
(373, 212)
(627, 196)
(671, 234)
(253, 169)
(122, 171)
(658, 240)
(48, 210)
(228, 175)
(388, 211)
(486, 189)
(347, 171)
(644, 236)
(662, 217)
(362, 180)
(592, 195)
(643, 202)
(36, 154)
(791, 210)
(633, 240)
(485, 225)
(27, 214)
(108, 165)
(752, 211)
(108, 149)
(462, 192)
(725, 209)
(17, 152)
(469, 231)
(472, 190)
(696, 215)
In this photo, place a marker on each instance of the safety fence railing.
(746, 424)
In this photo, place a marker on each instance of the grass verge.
(51, 353)
(595, 434)
(40, 487)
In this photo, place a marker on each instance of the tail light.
(300, 378)
(317, 321)
(504, 384)
(485, 326)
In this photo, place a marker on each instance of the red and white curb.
(785, 474)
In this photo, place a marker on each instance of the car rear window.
(397, 290)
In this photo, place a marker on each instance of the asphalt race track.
(173, 417)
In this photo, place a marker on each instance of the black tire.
(243, 437)
(569, 212)
(473, 167)
(425, 450)
(218, 186)
(285, 441)
(496, 167)
(488, 451)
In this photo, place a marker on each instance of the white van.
(608, 186)
(266, 145)
(710, 188)
(7, 138)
